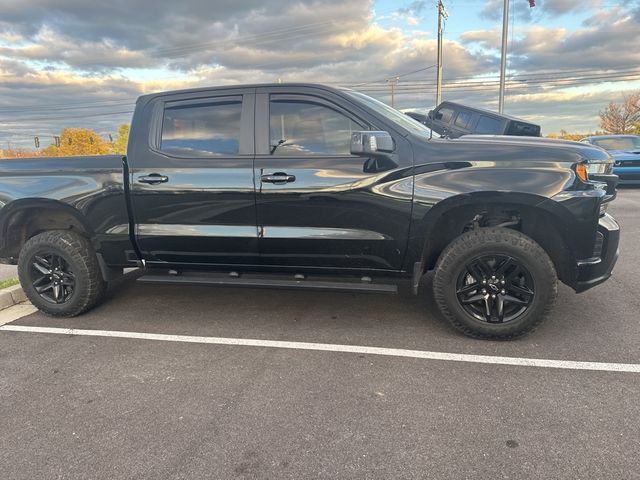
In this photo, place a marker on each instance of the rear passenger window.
(488, 126)
(463, 119)
(202, 129)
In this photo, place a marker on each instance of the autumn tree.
(19, 153)
(79, 141)
(121, 140)
(622, 118)
(564, 135)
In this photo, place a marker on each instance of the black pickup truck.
(307, 186)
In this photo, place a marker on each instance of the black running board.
(265, 281)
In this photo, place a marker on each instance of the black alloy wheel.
(52, 278)
(495, 289)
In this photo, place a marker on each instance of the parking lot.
(85, 406)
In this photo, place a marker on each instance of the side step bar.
(265, 281)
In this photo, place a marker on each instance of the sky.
(82, 63)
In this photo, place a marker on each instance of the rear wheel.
(59, 273)
(495, 283)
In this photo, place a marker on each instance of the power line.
(525, 81)
(452, 82)
(32, 119)
(395, 76)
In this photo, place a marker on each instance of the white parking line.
(328, 347)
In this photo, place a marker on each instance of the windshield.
(618, 143)
(396, 116)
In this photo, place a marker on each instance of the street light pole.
(503, 59)
(442, 15)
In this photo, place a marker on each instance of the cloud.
(78, 63)
(544, 8)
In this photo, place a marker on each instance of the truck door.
(318, 206)
(192, 179)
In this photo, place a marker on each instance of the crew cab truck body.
(307, 186)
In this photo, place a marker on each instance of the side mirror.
(371, 143)
(430, 114)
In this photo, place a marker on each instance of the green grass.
(8, 283)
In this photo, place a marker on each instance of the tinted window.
(300, 127)
(488, 125)
(463, 119)
(618, 143)
(391, 114)
(202, 129)
(445, 114)
(524, 129)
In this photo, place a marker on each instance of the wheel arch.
(20, 220)
(547, 223)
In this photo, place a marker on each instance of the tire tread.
(79, 248)
(482, 236)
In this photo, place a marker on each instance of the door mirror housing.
(372, 144)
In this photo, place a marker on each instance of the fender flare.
(424, 226)
(10, 210)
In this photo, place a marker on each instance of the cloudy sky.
(70, 63)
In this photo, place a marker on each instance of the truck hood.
(510, 148)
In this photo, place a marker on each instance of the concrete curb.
(11, 296)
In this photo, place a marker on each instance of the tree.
(564, 135)
(19, 153)
(79, 141)
(121, 140)
(622, 118)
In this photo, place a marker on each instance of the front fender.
(440, 189)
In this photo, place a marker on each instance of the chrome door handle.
(278, 177)
(153, 179)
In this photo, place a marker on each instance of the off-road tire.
(80, 256)
(496, 241)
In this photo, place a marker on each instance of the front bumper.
(596, 270)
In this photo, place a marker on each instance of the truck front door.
(318, 206)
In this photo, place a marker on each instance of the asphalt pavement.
(76, 406)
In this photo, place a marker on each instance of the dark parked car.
(307, 186)
(454, 120)
(625, 150)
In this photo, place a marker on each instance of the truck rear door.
(192, 183)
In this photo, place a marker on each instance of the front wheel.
(59, 273)
(495, 283)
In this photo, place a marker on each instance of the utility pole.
(503, 59)
(393, 82)
(442, 16)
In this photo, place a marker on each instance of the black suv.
(454, 120)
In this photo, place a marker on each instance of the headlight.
(597, 168)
